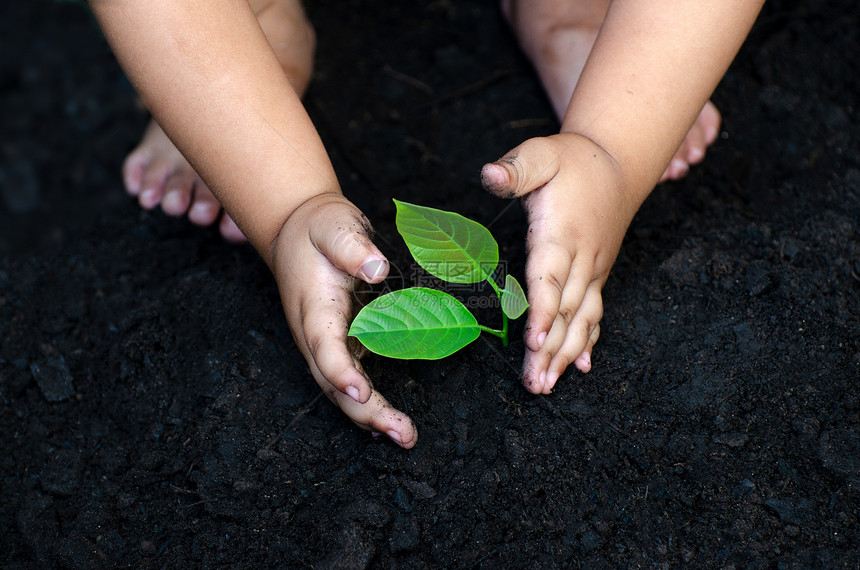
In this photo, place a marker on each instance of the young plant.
(423, 323)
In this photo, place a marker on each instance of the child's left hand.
(578, 212)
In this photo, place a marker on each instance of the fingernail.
(372, 269)
(395, 437)
(551, 379)
(540, 338)
(352, 392)
(584, 361)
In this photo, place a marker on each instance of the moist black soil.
(157, 414)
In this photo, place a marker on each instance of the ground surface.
(155, 413)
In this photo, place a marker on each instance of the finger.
(583, 361)
(342, 233)
(323, 321)
(577, 336)
(569, 308)
(527, 167)
(547, 272)
(377, 415)
(204, 206)
(535, 364)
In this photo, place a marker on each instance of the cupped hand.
(322, 248)
(578, 212)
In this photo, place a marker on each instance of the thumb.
(342, 233)
(527, 167)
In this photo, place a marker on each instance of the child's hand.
(321, 247)
(578, 212)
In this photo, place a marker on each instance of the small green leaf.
(446, 244)
(514, 301)
(415, 323)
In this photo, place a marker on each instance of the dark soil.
(157, 414)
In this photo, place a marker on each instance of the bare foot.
(557, 36)
(157, 173)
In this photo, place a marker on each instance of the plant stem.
(499, 333)
(502, 334)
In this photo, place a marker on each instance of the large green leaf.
(415, 323)
(514, 301)
(446, 244)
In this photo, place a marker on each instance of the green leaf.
(415, 323)
(514, 301)
(446, 244)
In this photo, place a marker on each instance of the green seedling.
(423, 323)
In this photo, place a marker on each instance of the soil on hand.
(155, 412)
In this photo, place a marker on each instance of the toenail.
(148, 198)
(696, 154)
(679, 167)
(172, 198)
(540, 339)
(372, 269)
(710, 134)
(201, 210)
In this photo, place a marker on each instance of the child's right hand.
(321, 248)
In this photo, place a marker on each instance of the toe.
(204, 206)
(695, 144)
(710, 120)
(230, 231)
(152, 183)
(133, 169)
(177, 192)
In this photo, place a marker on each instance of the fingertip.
(583, 362)
(537, 329)
(533, 377)
(495, 178)
(550, 381)
(374, 269)
(406, 437)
